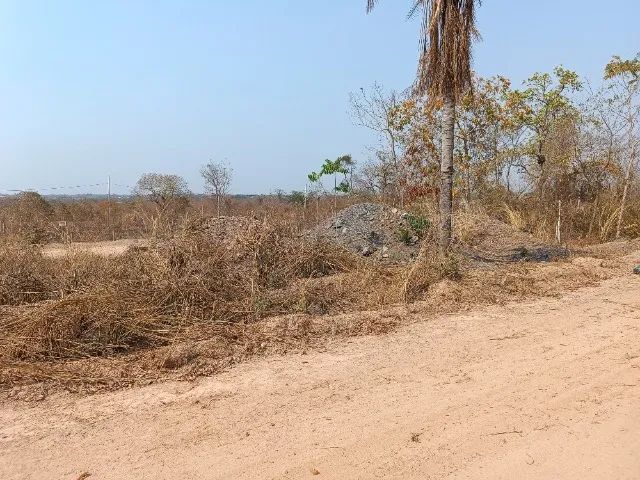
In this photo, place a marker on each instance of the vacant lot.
(96, 316)
(542, 389)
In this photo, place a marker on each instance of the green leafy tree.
(545, 108)
(340, 166)
(545, 100)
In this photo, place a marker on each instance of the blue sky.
(124, 87)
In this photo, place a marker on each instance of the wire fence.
(102, 188)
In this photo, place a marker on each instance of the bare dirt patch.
(542, 388)
(103, 249)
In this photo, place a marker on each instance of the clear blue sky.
(123, 87)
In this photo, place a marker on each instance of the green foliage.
(418, 224)
(546, 97)
(343, 187)
(340, 165)
(542, 105)
(314, 177)
(417, 228)
(404, 235)
(296, 197)
(627, 69)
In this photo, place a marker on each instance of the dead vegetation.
(226, 289)
(190, 288)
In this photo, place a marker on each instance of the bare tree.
(162, 189)
(168, 192)
(217, 178)
(374, 109)
(624, 76)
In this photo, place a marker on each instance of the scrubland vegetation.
(542, 169)
(209, 291)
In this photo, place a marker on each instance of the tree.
(169, 193)
(624, 77)
(341, 165)
(444, 73)
(545, 108)
(32, 214)
(375, 109)
(217, 178)
(488, 133)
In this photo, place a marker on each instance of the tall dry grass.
(225, 289)
(85, 306)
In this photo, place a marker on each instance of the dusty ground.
(106, 248)
(537, 390)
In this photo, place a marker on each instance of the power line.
(18, 190)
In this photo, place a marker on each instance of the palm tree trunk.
(446, 173)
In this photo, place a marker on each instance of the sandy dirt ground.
(105, 249)
(546, 389)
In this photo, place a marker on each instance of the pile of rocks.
(372, 230)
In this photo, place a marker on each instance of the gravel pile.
(392, 236)
(373, 230)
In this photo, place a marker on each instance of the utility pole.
(109, 203)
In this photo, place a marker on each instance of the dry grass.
(191, 305)
(86, 306)
(207, 347)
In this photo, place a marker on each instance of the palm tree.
(444, 74)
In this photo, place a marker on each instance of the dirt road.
(543, 390)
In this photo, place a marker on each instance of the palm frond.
(447, 34)
(415, 8)
(448, 29)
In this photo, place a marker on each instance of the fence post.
(558, 223)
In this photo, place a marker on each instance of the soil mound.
(485, 241)
(374, 230)
(392, 236)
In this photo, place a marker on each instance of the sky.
(123, 87)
